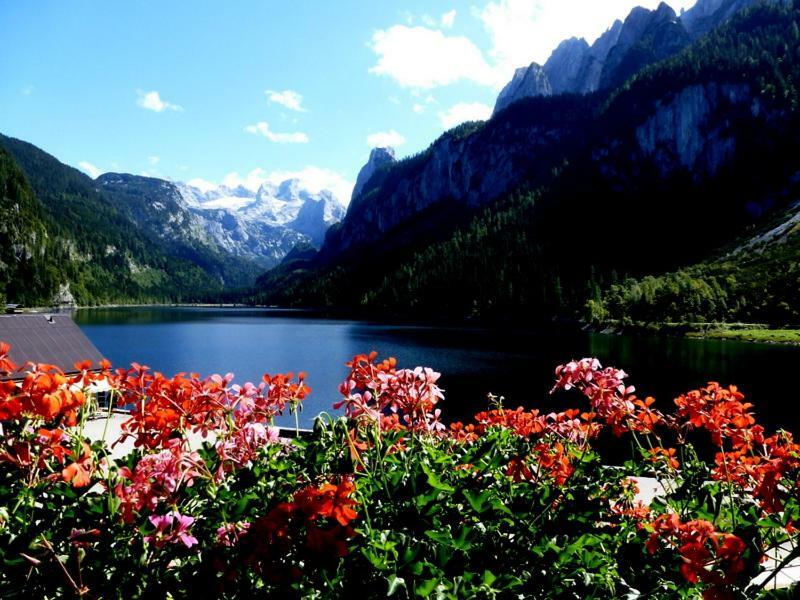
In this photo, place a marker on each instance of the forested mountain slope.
(654, 175)
(94, 253)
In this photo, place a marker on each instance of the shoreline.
(755, 333)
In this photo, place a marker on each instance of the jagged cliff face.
(644, 38)
(528, 82)
(468, 171)
(565, 66)
(378, 158)
(683, 132)
(686, 129)
(575, 67)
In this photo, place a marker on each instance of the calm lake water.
(514, 363)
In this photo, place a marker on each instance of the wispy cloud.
(287, 98)
(448, 19)
(27, 90)
(385, 139)
(152, 101)
(153, 160)
(262, 128)
(464, 111)
(202, 184)
(89, 169)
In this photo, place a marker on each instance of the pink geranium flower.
(171, 528)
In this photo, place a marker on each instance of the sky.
(245, 91)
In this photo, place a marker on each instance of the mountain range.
(124, 238)
(666, 143)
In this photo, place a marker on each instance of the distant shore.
(760, 333)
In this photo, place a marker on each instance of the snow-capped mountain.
(223, 224)
(286, 205)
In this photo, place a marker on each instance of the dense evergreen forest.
(61, 233)
(614, 233)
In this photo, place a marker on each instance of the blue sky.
(244, 91)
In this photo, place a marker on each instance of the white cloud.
(418, 108)
(287, 98)
(385, 139)
(262, 128)
(202, 184)
(153, 160)
(152, 101)
(27, 90)
(464, 111)
(448, 19)
(418, 57)
(90, 169)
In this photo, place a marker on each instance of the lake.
(508, 361)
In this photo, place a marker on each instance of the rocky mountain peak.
(565, 64)
(647, 36)
(607, 41)
(290, 190)
(527, 82)
(377, 158)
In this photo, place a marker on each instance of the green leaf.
(426, 587)
(476, 501)
(395, 583)
(434, 481)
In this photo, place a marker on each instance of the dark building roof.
(51, 339)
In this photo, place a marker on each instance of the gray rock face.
(589, 78)
(527, 82)
(646, 37)
(566, 65)
(709, 14)
(264, 225)
(680, 132)
(377, 158)
(460, 172)
(687, 130)
(607, 41)
(260, 226)
(316, 215)
(574, 67)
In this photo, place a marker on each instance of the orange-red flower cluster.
(707, 555)
(164, 408)
(317, 521)
(721, 412)
(44, 391)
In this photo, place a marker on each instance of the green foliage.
(29, 269)
(77, 237)
(750, 286)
